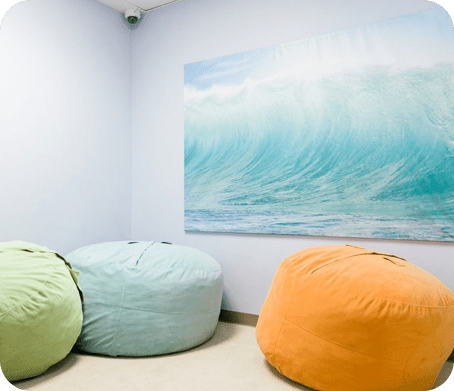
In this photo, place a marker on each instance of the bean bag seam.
(356, 255)
(172, 313)
(282, 325)
(183, 269)
(60, 301)
(451, 305)
(4, 315)
(44, 285)
(376, 253)
(345, 347)
(58, 256)
(411, 305)
(156, 312)
(114, 343)
(409, 357)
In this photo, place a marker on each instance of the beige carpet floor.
(231, 360)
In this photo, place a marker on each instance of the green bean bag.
(40, 309)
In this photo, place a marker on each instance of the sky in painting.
(401, 42)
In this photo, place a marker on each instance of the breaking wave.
(375, 143)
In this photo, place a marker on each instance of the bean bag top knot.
(40, 309)
(146, 298)
(346, 318)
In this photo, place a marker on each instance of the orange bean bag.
(343, 318)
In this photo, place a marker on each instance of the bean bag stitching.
(411, 305)
(169, 313)
(282, 325)
(57, 255)
(189, 270)
(409, 357)
(342, 346)
(114, 343)
(5, 314)
(408, 304)
(372, 252)
(357, 255)
(44, 285)
(61, 300)
(156, 312)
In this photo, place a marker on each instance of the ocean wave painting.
(349, 134)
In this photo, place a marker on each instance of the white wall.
(65, 124)
(194, 30)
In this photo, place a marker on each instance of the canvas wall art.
(348, 134)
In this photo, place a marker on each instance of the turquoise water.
(363, 154)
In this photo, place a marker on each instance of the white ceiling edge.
(142, 5)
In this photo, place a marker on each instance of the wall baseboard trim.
(238, 317)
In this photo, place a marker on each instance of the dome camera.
(132, 15)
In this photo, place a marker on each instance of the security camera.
(132, 15)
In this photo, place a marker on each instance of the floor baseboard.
(238, 317)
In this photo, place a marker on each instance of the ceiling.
(142, 5)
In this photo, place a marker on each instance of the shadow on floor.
(297, 386)
(56, 369)
(223, 332)
(445, 372)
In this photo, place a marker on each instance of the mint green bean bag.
(146, 298)
(40, 309)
